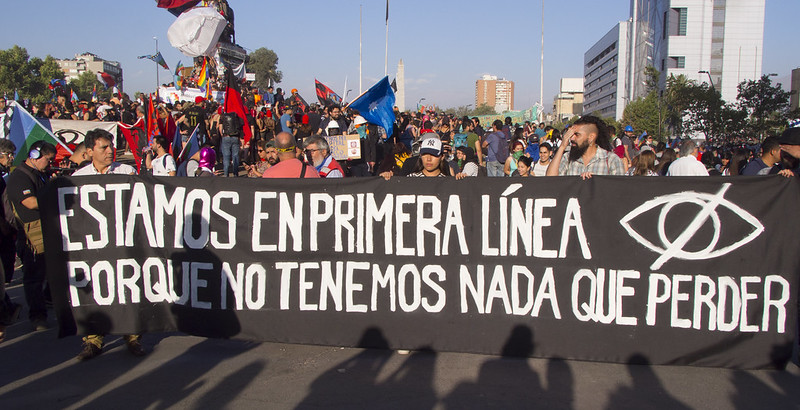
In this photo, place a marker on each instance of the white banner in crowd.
(73, 132)
(173, 95)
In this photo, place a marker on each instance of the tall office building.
(494, 92)
(605, 74)
(717, 40)
(90, 62)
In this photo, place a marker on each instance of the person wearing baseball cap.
(790, 147)
(431, 162)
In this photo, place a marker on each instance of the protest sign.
(693, 271)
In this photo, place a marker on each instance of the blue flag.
(376, 105)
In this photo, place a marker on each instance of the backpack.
(502, 153)
(459, 140)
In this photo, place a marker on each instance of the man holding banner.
(100, 149)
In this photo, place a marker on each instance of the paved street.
(40, 371)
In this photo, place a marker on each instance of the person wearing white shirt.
(163, 164)
(101, 151)
(687, 165)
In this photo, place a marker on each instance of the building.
(401, 86)
(795, 97)
(569, 101)
(720, 40)
(90, 62)
(605, 74)
(494, 92)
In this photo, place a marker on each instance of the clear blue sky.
(445, 44)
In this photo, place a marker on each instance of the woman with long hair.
(646, 164)
(467, 162)
(666, 160)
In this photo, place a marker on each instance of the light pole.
(157, 82)
(345, 96)
(710, 81)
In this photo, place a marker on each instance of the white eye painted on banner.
(707, 204)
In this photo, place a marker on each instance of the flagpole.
(360, 15)
(541, 68)
(344, 91)
(157, 82)
(386, 57)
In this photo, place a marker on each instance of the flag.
(177, 141)
(16, 95)
(157, 58)
(176, 7)
(94, 93)
(25, 130)
(387, 11)
(394, 85)
(376, 105)
(167, 127)
(203, 79)
(178, 76)
(152, 120)
(74, 96)
(233, 103)
(298, 101)
(133, 134)
(325, 95)
(56, 83)
(106, 79)
(190, 148)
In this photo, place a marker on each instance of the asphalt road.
(39, 371)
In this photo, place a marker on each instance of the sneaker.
(89, 351)
(135, 348)
(40, 325)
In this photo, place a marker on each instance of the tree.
(29, 76)
(765, 106)
(84, 84)
(264, 63)
(484, 109)
(648, 113)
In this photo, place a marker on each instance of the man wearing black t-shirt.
(23, 187)
(194, 116)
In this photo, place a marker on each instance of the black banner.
(694, 271)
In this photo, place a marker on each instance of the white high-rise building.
(720, 39)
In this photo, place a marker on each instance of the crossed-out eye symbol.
(708, 204)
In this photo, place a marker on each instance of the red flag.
(133, 134)
(167, 128)
(169, 4)
(152, 121)
(233, 103)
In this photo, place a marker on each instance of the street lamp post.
(157, 81)
(710, 81)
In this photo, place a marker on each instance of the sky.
(446, 45)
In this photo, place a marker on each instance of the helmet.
(208, 158)
(628, 128)
(359, 120)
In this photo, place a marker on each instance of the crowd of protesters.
(290, 139)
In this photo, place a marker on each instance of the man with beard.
(318, 154)
(333, 124)
(590, 151)
(267, 157)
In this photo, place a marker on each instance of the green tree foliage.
(264, 63)
(649, 113)
(84, 84)
(483, 109)
(646, 114)
(765, 106)
(28, 76)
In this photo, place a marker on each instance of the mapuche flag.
(158, 58)
(325, 95)
(25, 130)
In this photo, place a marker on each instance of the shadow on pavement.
(647, 390)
